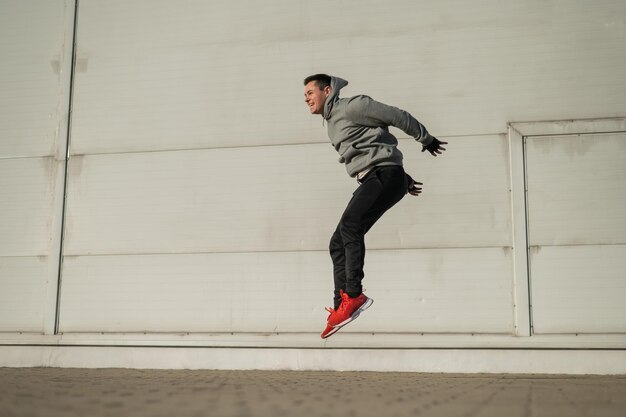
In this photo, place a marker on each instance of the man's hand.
(435, 147)
(414, 188)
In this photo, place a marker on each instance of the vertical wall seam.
(527, 249)
(67, 159)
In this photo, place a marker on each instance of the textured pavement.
(125, 392)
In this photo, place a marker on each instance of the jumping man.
(358, 128)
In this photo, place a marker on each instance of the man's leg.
(380, 191)
(337, 254)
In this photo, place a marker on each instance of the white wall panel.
(27, 186)
(414, 291)
(465, 200)
(35, 46)
(209, 67)
(246, 199)
(265, 292)
(23, 295)
(439, 291)
(576, 189)
(579, 289)
(166, 75)
(276, 198)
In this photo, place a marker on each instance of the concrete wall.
(201, 195)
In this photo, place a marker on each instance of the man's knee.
(350, 231)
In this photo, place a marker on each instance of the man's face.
(316, 97)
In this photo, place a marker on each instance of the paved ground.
(179, 393)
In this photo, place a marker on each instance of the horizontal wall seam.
(276, 251)
(320, 142)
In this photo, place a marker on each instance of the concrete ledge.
(519, 361)
(346, 340)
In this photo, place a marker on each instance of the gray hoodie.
(358, 128)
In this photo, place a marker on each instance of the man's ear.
(328, 90)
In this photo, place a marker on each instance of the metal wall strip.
(67, 158)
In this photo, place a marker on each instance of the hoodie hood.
(336, 84)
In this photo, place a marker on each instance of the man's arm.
(368, 112)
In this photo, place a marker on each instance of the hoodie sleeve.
(365, 111)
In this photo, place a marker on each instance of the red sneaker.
(329, 330)
(349, 309)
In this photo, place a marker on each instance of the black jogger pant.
(380, 190)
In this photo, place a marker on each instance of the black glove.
(434, 147)
(414, 187)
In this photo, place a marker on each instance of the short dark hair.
(322, 80)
